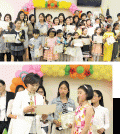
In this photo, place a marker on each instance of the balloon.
(80, 69)
(17, 73)
(12, 88)
(52, 4)
(27, 68)
(40, 74)
(23, 72)
(91, 71)
(67, 73)
(67, 68)
(32, 71)
(36, 67)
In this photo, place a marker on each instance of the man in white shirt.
(4, 98)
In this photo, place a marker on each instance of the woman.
(31, 26)
(24, 107)
(101, 117)
(24, 26)
(43, 27)
(19, 88)
(64, 105)
(61, 17)
(48, 20)
(44, 124)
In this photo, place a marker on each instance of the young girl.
(64, 105)
(108, 48)
(43, 28)
(24, 107)
(56, 22)
(116, 44)
(97, 23)
(79, 56)
(44, 124)
(24, 26)
(51, 41)
(19, 88)
(76, 21)
(17, 48)
(86, 47)
(36, 46)
(101, 117)
(97, 47)
(84, 112)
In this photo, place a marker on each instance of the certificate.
(78, 42)
(98, 39)
(117, 31)
(67, 51)
(45, 109)
(43, 30)
(72, 52)
(38, 53)
(110, 40)
(4, 25)
(58, 27)
(58, 48)
(9, 38)
(86, 41)
(67, 119)
(70, 29)
(90, 31)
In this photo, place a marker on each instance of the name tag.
(70, 109)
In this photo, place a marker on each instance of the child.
(118, 21)
(24, 107)
(83, 16)
(68, 44)
(109, 20)
(108, 48)
(101, 117)
(60, 40)
(97, 47)
(84, 113)
(51, 41)
(86, 47)
(79, 56)
(17, 48)
(36, 45)
(2, 45)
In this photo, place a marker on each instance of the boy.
(36, 46)
(60, 40)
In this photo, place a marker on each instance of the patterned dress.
(49, 54)
(80, 114)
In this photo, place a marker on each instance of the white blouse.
(9, 108)
(101, 117)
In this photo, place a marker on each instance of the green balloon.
(91, 66)
(52, 4)
(80, 69)
(58, 4)
(67, 68)
(91, 71)
(46, 4)
(66, 73)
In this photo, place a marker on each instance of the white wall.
(51, 85)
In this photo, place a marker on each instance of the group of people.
(15, 109)
(36, 41)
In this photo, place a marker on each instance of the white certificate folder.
(45, 109)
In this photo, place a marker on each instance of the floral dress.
(49, 54)
(80, 114)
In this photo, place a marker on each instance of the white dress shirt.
(2, 108)
(101, 117)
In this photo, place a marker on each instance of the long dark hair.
(115, 24)
(100, 95)
(18, 16)
(67, 85)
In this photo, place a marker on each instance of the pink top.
(80, 114)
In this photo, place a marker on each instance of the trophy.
(59, 119)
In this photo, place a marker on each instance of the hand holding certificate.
(86, 41)
(78, 42)
(9, 38)
(58, 48)
(67, 119)
(45, 109)
(98, 39)
(110, 40)
(4, 25)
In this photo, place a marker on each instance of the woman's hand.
(29, 109)
(70, 125)
(57, 123)
(100, 131)
(44, 116)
